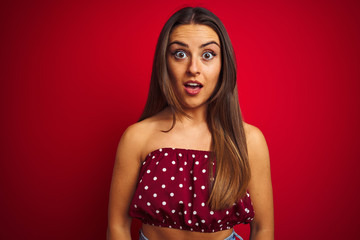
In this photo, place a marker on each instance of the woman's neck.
(195, 117)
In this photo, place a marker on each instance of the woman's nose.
(194, 66)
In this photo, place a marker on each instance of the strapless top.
(173, 189)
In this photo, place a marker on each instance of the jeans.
(231, 237)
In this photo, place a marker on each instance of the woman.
(188, 167)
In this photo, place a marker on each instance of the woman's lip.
(192, 91)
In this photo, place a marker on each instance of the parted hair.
(232, 174)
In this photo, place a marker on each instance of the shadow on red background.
(75, 74)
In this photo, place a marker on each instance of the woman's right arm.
(123, 184)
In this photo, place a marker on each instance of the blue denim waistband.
(232, 236)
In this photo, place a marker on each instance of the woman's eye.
(208, 55)
(180, 54)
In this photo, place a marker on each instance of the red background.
(75, 74)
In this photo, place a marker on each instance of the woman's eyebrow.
(179, 43)
(187, 46)
(212, 42)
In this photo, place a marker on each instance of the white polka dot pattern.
(173, 189)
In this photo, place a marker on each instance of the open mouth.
(192, 88)
(193, 85)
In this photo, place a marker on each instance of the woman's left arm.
(260, 187)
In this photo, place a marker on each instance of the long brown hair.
(224, 118)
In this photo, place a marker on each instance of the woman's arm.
(260, 187)
(123, 184)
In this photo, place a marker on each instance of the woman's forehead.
(190, 32)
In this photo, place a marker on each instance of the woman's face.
(194, 63)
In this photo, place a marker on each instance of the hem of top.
(190, 229)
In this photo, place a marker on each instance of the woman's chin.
(194, 105)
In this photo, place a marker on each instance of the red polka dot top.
(173, 189)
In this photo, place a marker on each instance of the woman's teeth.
(193, 85)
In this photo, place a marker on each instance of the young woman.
(188, 167)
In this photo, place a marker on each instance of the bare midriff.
(161, 233)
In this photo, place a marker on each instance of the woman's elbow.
(118, 231)
(262, 231)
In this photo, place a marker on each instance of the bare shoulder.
(256, 143)
(139, 137)
(135, 138)
(136, 133)
(253, 134)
